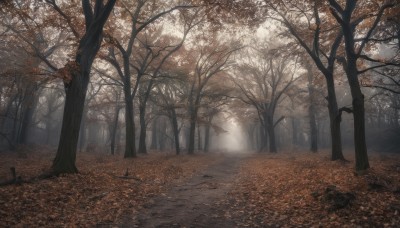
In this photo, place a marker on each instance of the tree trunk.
(362, 162)
(25, 123)
(313, 129)
(89, 45)
(250, 133)
(142, 137)
(335, 119)
(207, 138)
(352, 77)
(130, 149)
(30, 104)
(114, 129)
(176, 131)
(207, 133)
(199, 140)
(263, 137)
(312, 110)
(64, 161)
(163, 133)
(192, 130)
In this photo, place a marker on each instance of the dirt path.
(194, 203)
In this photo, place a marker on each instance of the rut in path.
(193, 203)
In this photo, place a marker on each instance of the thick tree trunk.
(76, 88)
(142, 137)
(64, 161)
(335, 119)
(175, 128)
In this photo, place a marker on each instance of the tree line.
(181, 66)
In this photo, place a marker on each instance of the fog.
(234, 140)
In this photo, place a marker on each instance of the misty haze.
(199, 113)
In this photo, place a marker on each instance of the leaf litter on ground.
(293, 190)
(105, 191)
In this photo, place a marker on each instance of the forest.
(199, 113)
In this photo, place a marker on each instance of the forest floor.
(288, 189)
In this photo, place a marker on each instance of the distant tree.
(162, 51)
(28, 55)
(263, 79)
(211, 59)
(169, 97)
(140, 15)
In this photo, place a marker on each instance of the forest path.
(195, 202)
